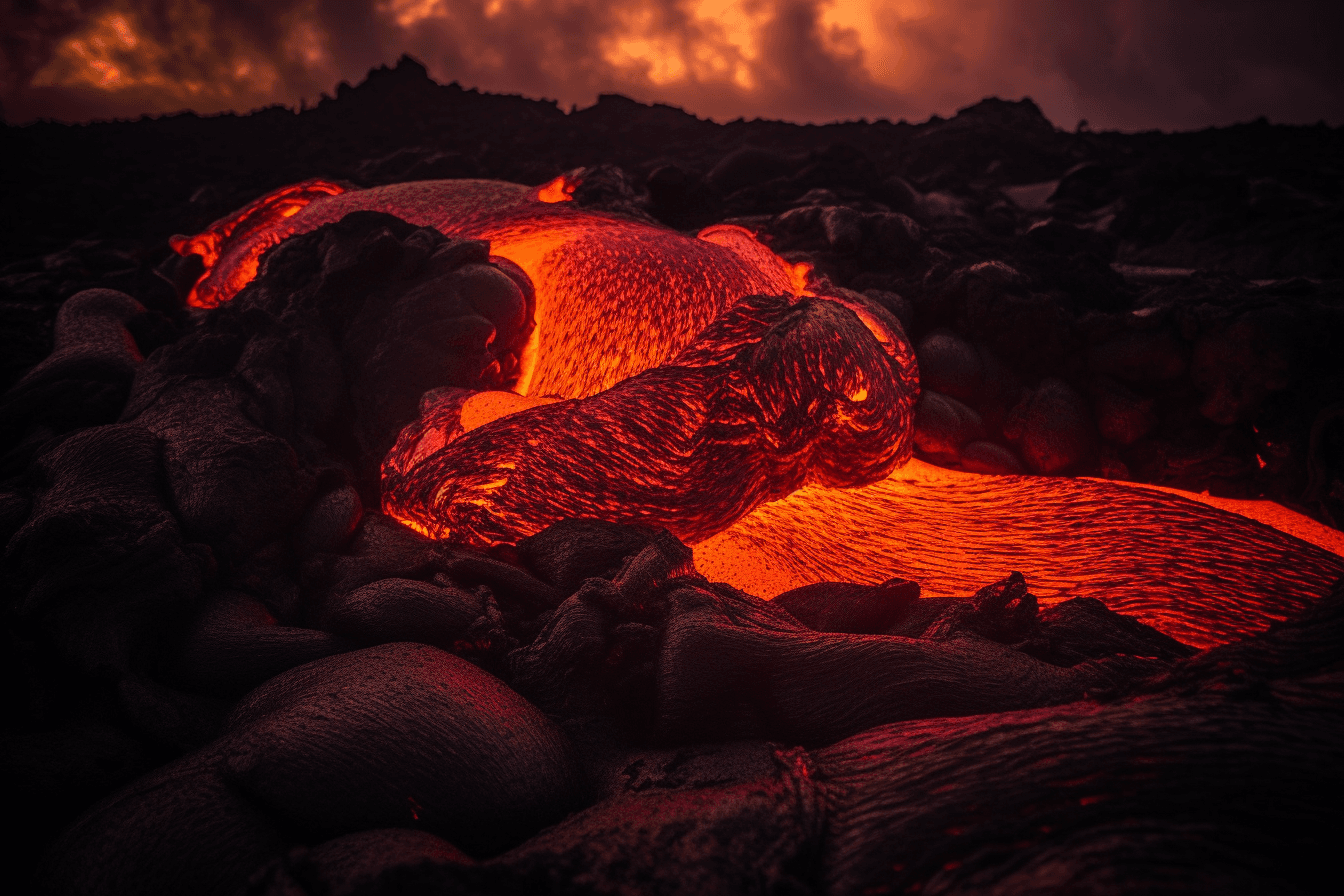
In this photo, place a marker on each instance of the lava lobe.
(772, 396)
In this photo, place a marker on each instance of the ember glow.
(748, 427)
(559, 190)
(248, 233)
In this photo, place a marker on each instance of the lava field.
(439, 492)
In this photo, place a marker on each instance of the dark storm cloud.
(1119, 63)
(29, 29)
(571, 52)
(1147, 63)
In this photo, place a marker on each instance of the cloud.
(1145, 63)
(1127, 64)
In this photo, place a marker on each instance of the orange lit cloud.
(1119, 63)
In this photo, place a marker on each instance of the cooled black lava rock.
(943, 426)
(1052, 426)
(845, 608)
(400, 735)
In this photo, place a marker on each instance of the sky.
(1119, 64)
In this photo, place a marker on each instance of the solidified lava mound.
(232, 669)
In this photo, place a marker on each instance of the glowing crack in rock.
(767, 432)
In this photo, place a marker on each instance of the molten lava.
(559, 190)
(772, 396)
(1202, 575)
(761, 430)
(233, 246)
(615, 297)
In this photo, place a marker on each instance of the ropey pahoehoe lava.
(705, 385)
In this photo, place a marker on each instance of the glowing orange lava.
(771, 396)
(559, 190)
(707, 452)
(232, 247)
(666, 288)
(1201, 574)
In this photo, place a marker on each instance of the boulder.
(1139, 357)
(1122, 416)
(401, 735)
(180, 829)
(950, 365)
(235, 644)
(1238, 366)
(988, 457)
(1052, 427)
(944, 425)
(391, 610)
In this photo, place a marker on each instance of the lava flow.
(772, 396)
(614, 296)
(767, 441)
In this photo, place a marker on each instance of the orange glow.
(666, 288)
(1201, 574)
(484, 407)
(245, 236)
(808, 61)
(559, 190)
(774, 394)
(776, 463)
(1270, 513)
(743, 242)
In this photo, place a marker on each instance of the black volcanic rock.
(950, 365)
(749, 166)
(234, 485)
(1194, 814)
(381, 549)
(1012, 141)
(1122, 416)
(1052, 426)
(750, 837)
(392, 610)
(992, 458)
(943, 426)
(329, 522)
(719, 672)
(570, 551)
(845, 608)
(401, 735)
(86, 379)
(1239, 366)
(101, 564)
(235, 644)
(357, 862)
(181, 828)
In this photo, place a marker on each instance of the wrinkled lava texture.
(303, 596)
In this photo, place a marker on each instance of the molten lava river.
(707, 386)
